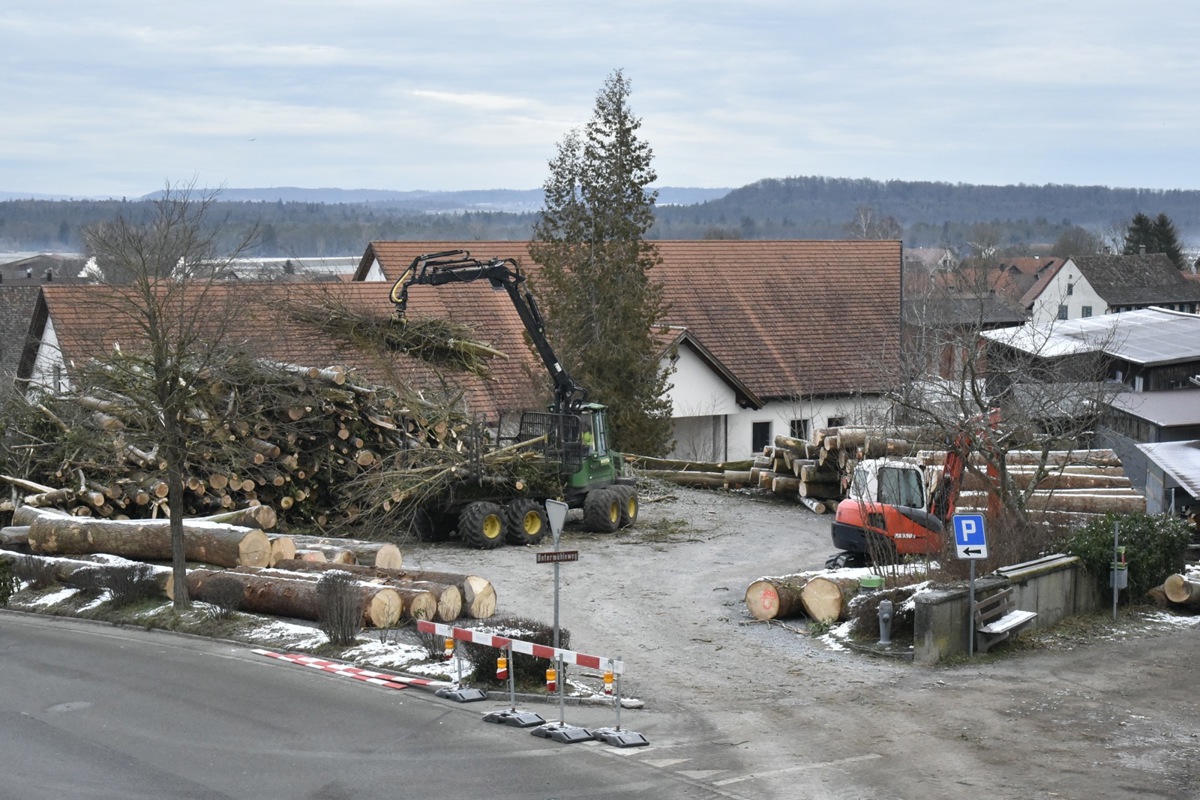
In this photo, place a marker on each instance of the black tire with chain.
(481, 526)
(602, 511)
(526, 522)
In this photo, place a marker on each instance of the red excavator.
(888, 512)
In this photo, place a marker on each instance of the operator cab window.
(901, 487)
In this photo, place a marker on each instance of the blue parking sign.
(970, 540)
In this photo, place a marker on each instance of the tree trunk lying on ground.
(321, 554)
(419, 601)
(206, 542)
(826, 599)
(776, 598)
(450, 589)
(699, 480)
(1182, 589)
(282, 549)
(376, 554)
(14, 536)
(448, 602)
(271, 593)
(83, 573)
(478, 594)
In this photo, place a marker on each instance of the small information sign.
(557, 556)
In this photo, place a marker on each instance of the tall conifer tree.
(601, 306)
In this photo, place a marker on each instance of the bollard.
(885, 622)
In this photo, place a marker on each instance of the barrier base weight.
(619, 738)
(462, 694)
(560, 732)
(514, 718)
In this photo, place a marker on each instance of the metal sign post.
(556, 515)
(970, 542)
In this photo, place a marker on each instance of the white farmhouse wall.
(730, 437)
(779, 416)
(697, 391)
(47, 373)
(375, 272)
(1067, 288)
(700, 405)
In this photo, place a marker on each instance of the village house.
(71, 323)
(1085, 286)
(762, 337)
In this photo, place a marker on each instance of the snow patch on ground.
(393, 655)
(54, 598)
(287, 634)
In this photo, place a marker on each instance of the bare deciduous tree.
(971, 369)
(160, 273)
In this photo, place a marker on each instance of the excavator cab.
(884, 514)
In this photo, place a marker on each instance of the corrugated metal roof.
(1180, 460)
(1169, 409)
(1149, 336)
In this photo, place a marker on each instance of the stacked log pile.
(310, 442)
(1075, 485)
(72, 546)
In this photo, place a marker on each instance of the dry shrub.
(339, 607)
(8, 582)
(35, 572)
(224, 595)
(864, 611)
(527, 671)
(129, 584)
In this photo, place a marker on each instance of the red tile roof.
(788, 318)
(85, 326)
(785, 318)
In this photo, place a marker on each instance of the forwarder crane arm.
(457, 266)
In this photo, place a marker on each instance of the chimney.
(1141, 249)
(29, 272)
(49, 276)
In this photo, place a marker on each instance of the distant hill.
(300, 222)
(510, 200)
(929, 213)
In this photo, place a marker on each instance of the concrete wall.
(1056, 587)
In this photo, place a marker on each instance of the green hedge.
(1155, 547)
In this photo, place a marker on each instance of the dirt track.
(746, 709)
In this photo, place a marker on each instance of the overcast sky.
(119, 98)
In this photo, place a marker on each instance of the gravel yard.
(1092, 710)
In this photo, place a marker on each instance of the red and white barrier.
(385, 679)
(519, 646)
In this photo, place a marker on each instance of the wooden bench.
(997, 618)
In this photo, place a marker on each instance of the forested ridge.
(928, 214)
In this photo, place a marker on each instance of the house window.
(835, 422)
(1086, 312)
(1062, 312)
(800, 428)
(760, 436)
(1070, 288)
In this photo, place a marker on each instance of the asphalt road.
(89, 711)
